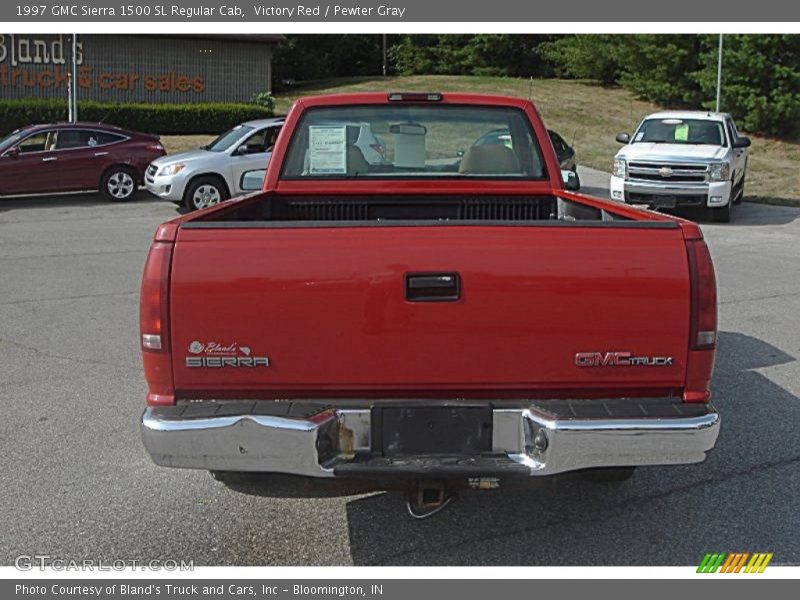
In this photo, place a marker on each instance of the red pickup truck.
(444, 311)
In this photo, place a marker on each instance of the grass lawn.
(181, 143)
(587, 115)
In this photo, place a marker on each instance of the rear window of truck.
(413, 141)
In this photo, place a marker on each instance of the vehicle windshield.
(412, 141)
(681, 131)
(227, 139)
(11, 139)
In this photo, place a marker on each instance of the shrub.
(265, 99)
(151, 118)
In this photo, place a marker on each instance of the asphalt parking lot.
(78, 485)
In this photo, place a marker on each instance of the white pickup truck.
(682, 158)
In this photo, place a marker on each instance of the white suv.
(682, 158)
(211, 174)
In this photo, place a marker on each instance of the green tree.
(595, 57)
(512, 55)
(760, 82)
(662, 68)
(500, 55)
(309, 57)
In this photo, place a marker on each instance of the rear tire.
(722, 214)
(205, 191)
(609, 474)
(119, 184)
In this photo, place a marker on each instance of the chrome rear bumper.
(541, 438)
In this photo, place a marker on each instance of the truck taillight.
(703, 329)
(154, 325)
(153, 303)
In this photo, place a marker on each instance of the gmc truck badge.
(619, 359)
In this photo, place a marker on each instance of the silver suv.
(213, 173)
(682, 158)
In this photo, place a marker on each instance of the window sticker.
(639, 136)
(327, 146)
(682, 132)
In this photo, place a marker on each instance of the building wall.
(135, 68)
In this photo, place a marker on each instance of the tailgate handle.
(433, 287)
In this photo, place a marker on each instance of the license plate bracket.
(665, 201)
(439, 430)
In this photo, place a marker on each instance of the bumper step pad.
(500, 466)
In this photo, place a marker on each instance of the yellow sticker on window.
(682, 132)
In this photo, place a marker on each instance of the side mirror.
(240, 151)
(742, 142)
(623, 138)
(570, 179)
(12, 152)
(252, 181)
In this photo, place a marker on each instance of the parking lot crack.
(70, 255)
(60, 298)
(85, 361)
(759, 298)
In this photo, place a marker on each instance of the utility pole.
(69, 96)
(73, 100)
(384, 55)
(719, 71)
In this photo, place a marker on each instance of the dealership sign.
(18, 50)
(38, 63)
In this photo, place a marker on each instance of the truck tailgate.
(327, 308)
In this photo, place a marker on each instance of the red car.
(72, 157)
(451, 316)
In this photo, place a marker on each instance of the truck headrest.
(489, 159)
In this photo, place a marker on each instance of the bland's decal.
(620, 359)
(216, 355)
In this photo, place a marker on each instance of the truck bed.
(321, 288)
